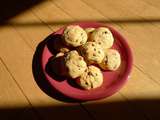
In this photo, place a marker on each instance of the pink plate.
(113, 81)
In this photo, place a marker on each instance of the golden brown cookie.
(103, 37)
(111, 61)
(92, 52)
(75, 64)
(75, 36)
(91, 78)
(89, 31)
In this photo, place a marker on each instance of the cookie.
(92, 53)
(103, 37)
(91, 78)
(59, 55)
(89, 30)
(75, 36)
(75, 64)
(111, 61)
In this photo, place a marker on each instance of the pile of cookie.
(84, 53)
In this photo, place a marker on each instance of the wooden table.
(21, 97)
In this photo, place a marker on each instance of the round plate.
(113, 80)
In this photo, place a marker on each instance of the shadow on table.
(10, 8)
(134, 110)
(112, 21)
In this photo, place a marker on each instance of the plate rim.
(127, 73)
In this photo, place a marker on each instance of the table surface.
(22, 31)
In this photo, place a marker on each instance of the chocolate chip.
(86, 83)
(89, 73)
(94, 49)
(93, 45)
(99, 43)
(92, 85)
(99, 52)
(94, 54)
(81, 42)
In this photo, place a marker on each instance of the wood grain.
(19, 61)
(138, 21)
(12, 99)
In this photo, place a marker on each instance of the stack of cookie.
(85, 52)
